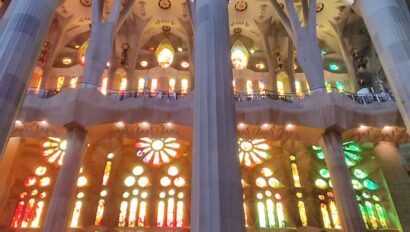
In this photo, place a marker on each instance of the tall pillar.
(20, 45)
(389, 28)
(8, 170)
(61, 204)
(216, 203)
(398, 181)
(345, 195)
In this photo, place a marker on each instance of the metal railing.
(364, 99)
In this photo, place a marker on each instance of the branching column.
(389, 28)
(398, 181)
(63, 195)
(342, 183)
(20, 45)
(216, 183)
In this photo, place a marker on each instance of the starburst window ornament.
(253, 152)
(54, 150)
(157, 151)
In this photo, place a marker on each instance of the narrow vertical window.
(141, 85)
(18, 214)
(60, 83)
(180, 213)
(100, 212)
(154, 85)
(123, 214)
(262, 215)
(133, 212)
(123, 84)
(28, 213)
(184, 84)
(172, 85)
(76, 214)
(325, 216)
(161, 214)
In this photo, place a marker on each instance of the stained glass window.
(249, 88)
(30, 207)
(60, 83)
(141, 85)
(165, 54)
(133, 209)
(172, 83)
(104, 86)
(54, 150)
(253, 152)
(171, 209)
(369, 203)
(184, 86)
(239, 56)
(82, 182)
(157, 151)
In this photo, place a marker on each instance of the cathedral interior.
(148, 115)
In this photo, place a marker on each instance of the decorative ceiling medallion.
(86, 3)
(319, 7)
(164, 4)
(166, 28)
(237, 30)
(241, 5)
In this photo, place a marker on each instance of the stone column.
(20, 45)
(62, 200)
(345, 195)
(8, 170)
(216, 203)
(389, 28)
(398, 181)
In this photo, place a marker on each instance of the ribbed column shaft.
(345, 195)
(216, 182)
(389, 27)
(20, 45)
(63, 196)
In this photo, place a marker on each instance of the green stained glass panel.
(324, 173)
(353, 156)
(370, 185)
(359, 173)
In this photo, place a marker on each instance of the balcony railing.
(119, 95)
(364, 99)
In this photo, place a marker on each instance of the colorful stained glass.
(18, 214)
(170, 212)
(370, 185)
(100, 212)
(142, 214)
(372, 215)
(54, 150)
(76, 214)
(358, 173)
(324, 173)
(35, 223)
(123, 214)
(133, 213)
(261, 215)
(107, 171)
(381, 214)
(28, 213)
(302, 213)
(325, 216)
(295, 174)
(335, 215)
(157, 151)
(253, 152)
(364, 215)
(161, 214)
(165, 54)
(271, 213)
(180, 214)
(280, 214)
(320, 183)
(239, 56)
